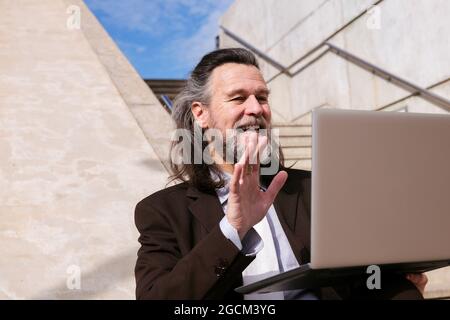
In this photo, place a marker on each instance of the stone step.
(305, 119)
(294, 131)
(294, 141)
(165, 86)
(298, 164)
(168, 87)
(297, 153)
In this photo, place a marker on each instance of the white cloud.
(154, 16)
(190, 49)
(134, 15)
(126, 45)
(188, 27)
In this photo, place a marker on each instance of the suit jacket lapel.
(285, 204)
(205, 207)
(294, 216)
(286, 207)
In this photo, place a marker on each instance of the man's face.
(239, 97)
(239, 100)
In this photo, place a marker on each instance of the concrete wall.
(80, 145)
(408, 38)
(411, 42)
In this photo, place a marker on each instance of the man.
(226, 224)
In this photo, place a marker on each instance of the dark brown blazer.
(184, 254)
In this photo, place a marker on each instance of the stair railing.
(414, 89)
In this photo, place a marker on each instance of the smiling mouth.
(250, 127)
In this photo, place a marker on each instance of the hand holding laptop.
(420, 280)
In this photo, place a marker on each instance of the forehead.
(232, 77)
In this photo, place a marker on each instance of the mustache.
(251, 121)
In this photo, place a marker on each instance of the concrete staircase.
(296, 142)
(165, 87)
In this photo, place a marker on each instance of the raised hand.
(247, 203)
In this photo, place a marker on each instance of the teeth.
(254, 127)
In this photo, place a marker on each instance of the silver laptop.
(380, 195)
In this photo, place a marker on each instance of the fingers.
(276, 185)
(236, 178)
(252, 145)
(253, 169)
(250, 171)
(417, 278)
(249, 161)
(420, 280)
(262, 144)
(244, 166)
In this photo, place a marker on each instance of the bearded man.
(229, 223)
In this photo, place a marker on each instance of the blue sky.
(161, 38)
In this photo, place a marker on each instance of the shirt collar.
(223, 192)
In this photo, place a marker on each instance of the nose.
(253, 107)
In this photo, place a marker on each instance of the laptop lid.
(380, 188)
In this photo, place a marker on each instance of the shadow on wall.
(154, 164)
(114, 279)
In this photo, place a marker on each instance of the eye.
(262, 99)
(240, 98)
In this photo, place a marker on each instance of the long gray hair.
(197, 90)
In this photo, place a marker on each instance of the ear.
(201, 114)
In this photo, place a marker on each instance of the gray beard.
(233, 151)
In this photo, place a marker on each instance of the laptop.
(380, 196)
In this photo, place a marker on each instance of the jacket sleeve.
(209, 270)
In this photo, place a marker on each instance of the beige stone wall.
(411, 42)
(80, 145)
(408, 38)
